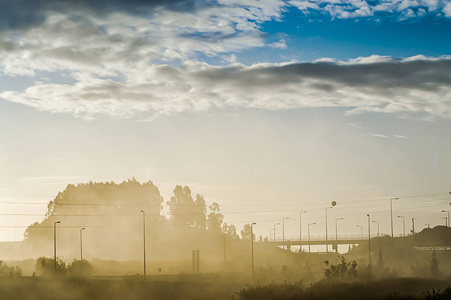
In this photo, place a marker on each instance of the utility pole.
(275, 230)
(300, 228)
(391, 214)
(327, 245)
(308, 227)
(54, 242)
(252, 251)
(447, 220)
(403, 225)
(369, 238)
(144, 240)
(81, 244)
(378, 233)
(283, 231)
(336, 233)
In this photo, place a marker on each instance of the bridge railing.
(330, 238)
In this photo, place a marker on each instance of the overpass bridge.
(320, 240)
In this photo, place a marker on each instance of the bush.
(342, 270)
(79, 268)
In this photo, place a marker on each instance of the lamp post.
(391, 214)
(144, 240)
(374, 221)
(54, 242)
(447, 222)
(361, 231)
(413, 226)
(252, 250)
(403, 225)
(336, 233)
(300, 227)
(327, 245)
(309, 235)
(369, 238)
(81, 244)
(275, 230)
(283, 231)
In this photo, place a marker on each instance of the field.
(214, 287)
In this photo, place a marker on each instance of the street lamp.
(275, 230)
(144, 240)
(309, 235)
(283, 231)
(369, 238)
(447, 222)
(391, 214)
(300, 226)
(336, 230)
(374, 221)
(361, 231)
(252, 250)
(327, 246)
(81, 244)
(336, 233)
(403, 225)
(413, 226)
(54, 242)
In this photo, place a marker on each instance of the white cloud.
(397, 9)
(280, 44)
(410, 86)
(447, 10)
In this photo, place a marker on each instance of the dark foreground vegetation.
(39, 288)
(399, 288)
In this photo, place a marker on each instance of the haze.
(268, 109)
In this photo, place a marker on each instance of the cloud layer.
(129, 58)
(397, 9)
(418, 85)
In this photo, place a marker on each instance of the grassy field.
(36, 288)
(28, 288)
(394, 289)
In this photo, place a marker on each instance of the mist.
(191, 253)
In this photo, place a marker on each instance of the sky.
(267, 107)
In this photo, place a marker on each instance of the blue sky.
(294, 102)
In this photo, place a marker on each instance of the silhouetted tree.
(246, 232)
(433, 267)
(79, 268)
(46, 267)
(230, 231)
(184, 210)
(215, 217)
(342, 270)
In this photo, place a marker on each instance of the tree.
(184, 210)
(433, 267)
(230, 231)
(46, 267)
(215, 218)
(246, 232)
(342, 270)
(5, 270)
(79, 268)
